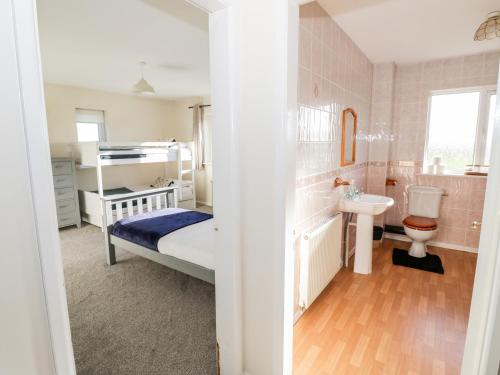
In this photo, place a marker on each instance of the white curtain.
(199, 136)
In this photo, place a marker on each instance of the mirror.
(349, 124)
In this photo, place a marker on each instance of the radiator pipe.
(346, 242)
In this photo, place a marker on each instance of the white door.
(482, 346)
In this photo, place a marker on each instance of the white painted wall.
(228, 296)
(253, 169)
(127, 117)
(27, 346)
(182, 117)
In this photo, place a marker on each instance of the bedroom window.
(460, 128)
(90, 125)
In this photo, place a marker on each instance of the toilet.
(423, 209)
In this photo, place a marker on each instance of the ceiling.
(99, 44)
(406, 31)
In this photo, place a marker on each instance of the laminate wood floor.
(397, 320)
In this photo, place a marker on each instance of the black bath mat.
(431, 262)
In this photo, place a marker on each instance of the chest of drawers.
(68, 209)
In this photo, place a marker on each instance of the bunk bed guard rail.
(117, 207)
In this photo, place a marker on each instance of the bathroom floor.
(397, 320)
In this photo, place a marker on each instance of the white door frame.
(225, 203)
(38, 154)
(482, 345)
(248, 343)
(237, 328)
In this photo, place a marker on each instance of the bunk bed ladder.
(181, 172)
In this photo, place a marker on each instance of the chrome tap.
(352, 192)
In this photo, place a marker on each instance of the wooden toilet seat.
(420, 223)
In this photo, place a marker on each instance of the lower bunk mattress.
(183, 234)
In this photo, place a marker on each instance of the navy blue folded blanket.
(147, 229)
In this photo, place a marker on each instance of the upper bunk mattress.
(184, 234)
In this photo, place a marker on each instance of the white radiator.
(320, 259)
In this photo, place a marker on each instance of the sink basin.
(367, 204)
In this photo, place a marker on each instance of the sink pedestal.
(365, 206)
(364, 244)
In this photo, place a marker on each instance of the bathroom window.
(90, 125)
(489, 133)
(460, 128)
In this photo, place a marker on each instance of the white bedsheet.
(194, 243)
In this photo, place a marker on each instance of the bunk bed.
(99, 155)
(134, 219)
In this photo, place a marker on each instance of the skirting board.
(297, 315)
(200, 203)
(400, 237)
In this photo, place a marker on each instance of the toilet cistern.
(365, 206)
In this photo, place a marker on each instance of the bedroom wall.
(182, 130)
(128, 118)
(333, 75)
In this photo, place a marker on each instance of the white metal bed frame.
(155, 199)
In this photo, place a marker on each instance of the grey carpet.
(136, 317)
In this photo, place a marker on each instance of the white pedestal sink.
(365, 206)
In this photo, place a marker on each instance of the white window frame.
(484, 111)
(101, 125)
(482, 119)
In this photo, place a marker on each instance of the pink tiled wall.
(412, 87)
(381, 114)
(333, 75)
(380, 129)
(462, 204)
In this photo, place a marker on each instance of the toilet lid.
(420, 223)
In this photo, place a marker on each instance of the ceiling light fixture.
(142, 87)
(489, 29)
